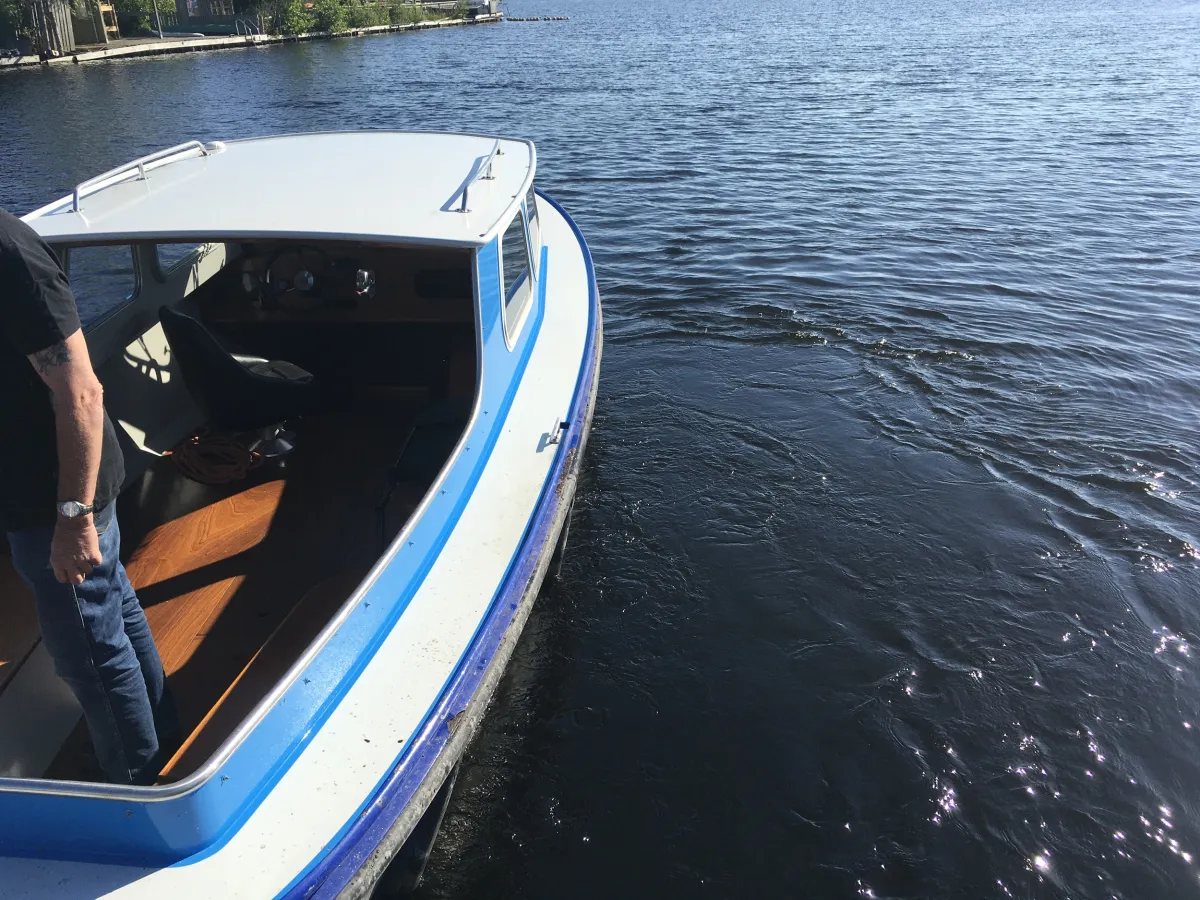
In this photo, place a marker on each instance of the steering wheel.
(297, 276)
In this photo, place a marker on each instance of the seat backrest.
(228, 393)
(147, 399)
(209, 370)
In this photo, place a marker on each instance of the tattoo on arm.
(45, 361)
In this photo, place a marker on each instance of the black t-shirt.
(37, 310)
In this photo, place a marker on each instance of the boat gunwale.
(435, 732)
(362, 881)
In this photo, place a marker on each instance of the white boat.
(409, 334)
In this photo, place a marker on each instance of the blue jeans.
(98, 637)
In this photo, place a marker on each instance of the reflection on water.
(883, 578)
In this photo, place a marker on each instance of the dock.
(158, 46)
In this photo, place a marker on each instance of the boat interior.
(283, 407)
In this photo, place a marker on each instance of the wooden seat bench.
(262, 673)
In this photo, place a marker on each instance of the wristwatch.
(73, 509)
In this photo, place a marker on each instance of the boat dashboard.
(368, 315)
(320, 282)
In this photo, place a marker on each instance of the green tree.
(407, 14)
(12, 21)
(328, 15)
(134, 16)
(285, 16)
(364, 15)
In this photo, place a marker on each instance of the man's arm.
(79, 427)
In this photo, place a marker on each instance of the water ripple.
(883, 578)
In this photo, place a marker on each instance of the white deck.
(367, 186)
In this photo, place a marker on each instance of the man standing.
(60, 471)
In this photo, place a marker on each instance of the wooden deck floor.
(219, 569)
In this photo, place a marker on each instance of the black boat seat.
(240, 393)
(434, 434)
(273, 368)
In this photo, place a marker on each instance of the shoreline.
(154, 47)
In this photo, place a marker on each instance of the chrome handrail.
(482, 172)
(141, 166)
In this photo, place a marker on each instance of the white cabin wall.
(143, 390)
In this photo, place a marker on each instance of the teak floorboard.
(298, 629)
(219, 569)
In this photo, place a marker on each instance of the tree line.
(136, 17)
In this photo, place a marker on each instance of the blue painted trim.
(494, 348)
(184, 829)
(359, 837)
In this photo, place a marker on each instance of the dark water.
(884, 577)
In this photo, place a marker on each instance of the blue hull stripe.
(328, 876)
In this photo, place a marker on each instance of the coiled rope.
(213, 457)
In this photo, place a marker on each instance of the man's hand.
(75, 549)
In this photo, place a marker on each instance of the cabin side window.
(535, 229)
(515, 274)
(103, 279)
(171, 256)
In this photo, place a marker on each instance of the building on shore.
(38, 26)
(95, 22)
(51, 28)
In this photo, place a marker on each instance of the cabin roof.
(385, 186)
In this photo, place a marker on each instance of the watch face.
(72, 509)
